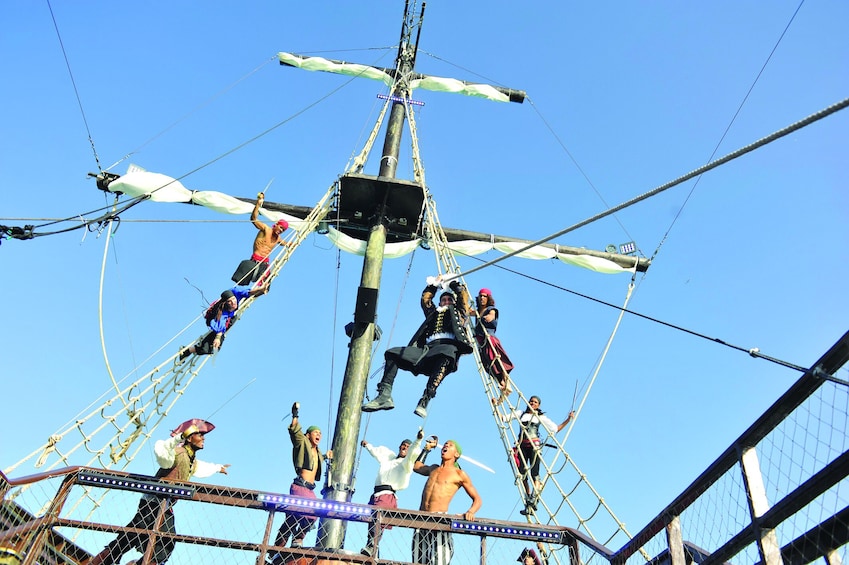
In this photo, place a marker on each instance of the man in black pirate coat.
(435, 348)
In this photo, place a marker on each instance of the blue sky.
(623, 97)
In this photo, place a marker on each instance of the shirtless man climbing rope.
(253, 269)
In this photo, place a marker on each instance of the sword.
(267, 186)
(472, 461)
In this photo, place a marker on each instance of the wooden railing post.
(675, 542)
(758, 505)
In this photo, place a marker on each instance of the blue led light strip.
(527, 533)
(400, 99)
(151, 486)
(314, 506)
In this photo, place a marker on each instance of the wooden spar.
(452, 234)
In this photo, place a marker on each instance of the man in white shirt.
(393, 475)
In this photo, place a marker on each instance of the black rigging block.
(17, 232)
(104, 179)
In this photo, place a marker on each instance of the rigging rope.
(725, 133)
(712, 165)
(100, 307)
(580, 169)
(751, 351)
(27, 232)
(74, 84)
(333, 327)
(190, 113)
(274, 127)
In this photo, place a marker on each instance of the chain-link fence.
(779, 493)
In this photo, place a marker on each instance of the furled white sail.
(438, 84)
(162, 188)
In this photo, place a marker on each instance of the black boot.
(421, 408)
(530, 507)
(384, 390)
(184, 353)
(430, 390)
(383, 400)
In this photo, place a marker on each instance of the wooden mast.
(339, 485)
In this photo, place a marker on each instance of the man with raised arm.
(443, 482)
(307, 459)
(392, 475)
(436, 347)
(252, 270)
(527, 453)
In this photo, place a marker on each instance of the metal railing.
(795, 454)
(69, 515)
